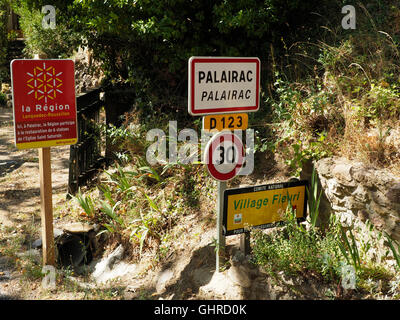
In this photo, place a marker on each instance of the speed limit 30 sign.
(224, 156)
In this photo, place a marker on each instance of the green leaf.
(110, 211)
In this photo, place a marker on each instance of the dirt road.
(20, 193)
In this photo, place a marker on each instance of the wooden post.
(46, 201)
(46, 197)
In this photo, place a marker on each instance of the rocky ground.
(20, 195)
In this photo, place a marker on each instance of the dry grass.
(355, 105)
(374, 147)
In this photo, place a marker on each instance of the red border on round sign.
(194, 60)
(212, 145)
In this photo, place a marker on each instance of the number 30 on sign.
(224, 156)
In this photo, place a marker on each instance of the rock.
(393, 194)
(334, 188)
(163, 279)
(5, 275)
(119, 270)
(202, 275)
(131, 292)
(353, 204)
(379, 198)
(6, 261)
(396, 233)
(238, 257)
(360, 194)
(78, 227)
(239, 276)
(353, 190)
(109, 261)
(323, 167)
(287, 280)
(346, 218)
(112, 267)
(342, 173)
(33, 254)
(221, 286)
(377, 221)
(38, 242)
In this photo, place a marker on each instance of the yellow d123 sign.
(219, 122)
(262, 206)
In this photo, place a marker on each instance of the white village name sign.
(223, 85)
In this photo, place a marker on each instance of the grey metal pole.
(245, 243)
(220, 237)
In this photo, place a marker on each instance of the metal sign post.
(221, 243)
(224, 157)
(245, 243)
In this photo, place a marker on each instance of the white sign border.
(191, 85)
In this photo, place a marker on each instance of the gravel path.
(20, 193)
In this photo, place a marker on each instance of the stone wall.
(352, 190)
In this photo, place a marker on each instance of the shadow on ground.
(8, 166)
(8, 297)
(197, 273)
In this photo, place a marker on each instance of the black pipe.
(74, 250)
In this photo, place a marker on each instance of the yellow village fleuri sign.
(262, 206)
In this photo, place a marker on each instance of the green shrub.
(148, 43)
(381, 102)
(295, 250)
(3, 32)
(395, 248)
(55, 43)
(3, 99)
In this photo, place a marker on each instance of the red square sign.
(44, 103)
